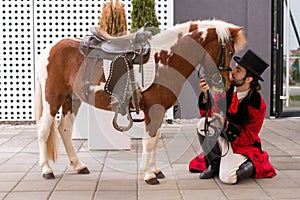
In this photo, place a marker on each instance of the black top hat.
(252, 63)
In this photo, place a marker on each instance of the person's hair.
(254, 85)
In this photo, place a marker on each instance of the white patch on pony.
(165, 39)
(43, 127)
(222, 28)
(97, 88)
(148, 161)
(66, 122)
(41, 65)
(204, 33)
(41, 75)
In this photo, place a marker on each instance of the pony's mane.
(222, 30)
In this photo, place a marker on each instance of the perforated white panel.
(16, 60)
(29, 26)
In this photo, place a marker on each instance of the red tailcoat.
(245, 126)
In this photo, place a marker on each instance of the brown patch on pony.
(61, 70)
(193, 26)
(161, 57)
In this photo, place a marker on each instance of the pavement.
(114, 173)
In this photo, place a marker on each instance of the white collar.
(243, 94)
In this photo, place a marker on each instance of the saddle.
(124, 52)
(108, 47)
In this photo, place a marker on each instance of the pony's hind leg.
(65, 127)
(47, 140)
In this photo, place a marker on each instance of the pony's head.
(211, 44)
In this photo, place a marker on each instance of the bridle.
(213, 75)
(222, 55)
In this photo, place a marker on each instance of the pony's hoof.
(84, 171)
(48, 176)
(160, 175)
(152, 181)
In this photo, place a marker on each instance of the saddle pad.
(149, 73)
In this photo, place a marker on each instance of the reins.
(217, 131)
(207, 123)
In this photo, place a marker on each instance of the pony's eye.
(231, 53)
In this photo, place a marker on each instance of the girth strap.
(87, 81)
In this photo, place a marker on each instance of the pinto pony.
(59, 84)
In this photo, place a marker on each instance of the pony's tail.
(38, 101)
(52, 140)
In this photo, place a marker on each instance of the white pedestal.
(80, 127)
(102, 135)
(96, 126)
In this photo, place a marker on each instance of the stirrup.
(115, 120)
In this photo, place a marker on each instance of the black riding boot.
(212, 152)
(246, 170)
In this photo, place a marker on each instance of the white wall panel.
(29, 26)
(16, 60)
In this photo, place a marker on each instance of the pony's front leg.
(156, 170)
(153, 120)
(148, 162)
(65, 128)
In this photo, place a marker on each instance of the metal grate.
(29, 26)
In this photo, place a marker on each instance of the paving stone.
(246, 193)
(72, 194)
(203, 194)
(2, 195)
(283, 193)
(114, 174)
(112, 195)
(34, 186)
(28, 196)
(159, 194)
(120, 185)
(6, 186)
(11, 176)
(76, 185)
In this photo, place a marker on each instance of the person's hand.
(203, 87)
(220, 120)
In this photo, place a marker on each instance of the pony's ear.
(239, 38)
(234, 31)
